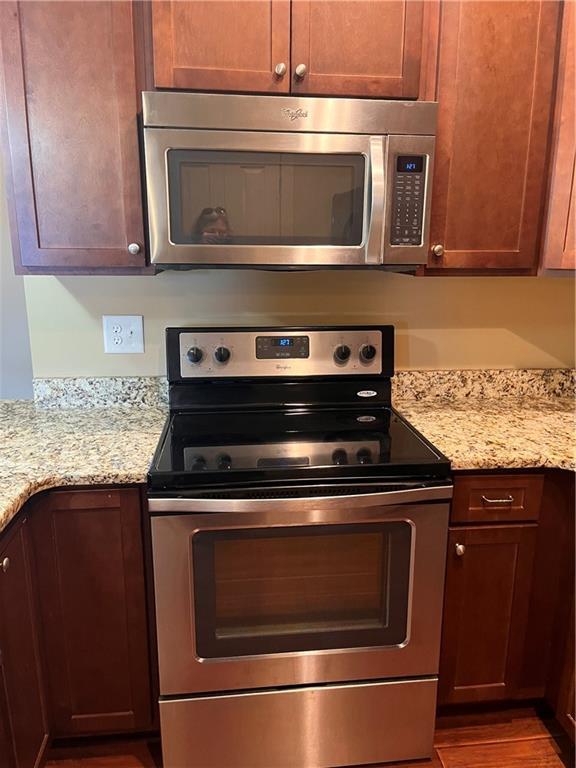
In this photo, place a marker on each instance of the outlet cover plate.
(123, 334)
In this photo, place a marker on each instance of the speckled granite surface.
(510, 433)
(101, 392)
(47, 447)
(152, 391)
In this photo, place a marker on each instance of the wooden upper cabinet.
(221, 45)
(71, 141)
(560, 242)
(495, 75)
(357, 47)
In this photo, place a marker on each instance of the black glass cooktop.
(227, 447)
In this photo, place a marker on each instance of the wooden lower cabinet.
(566, 705)
(88, 548)
(23, 721)
(487, 598)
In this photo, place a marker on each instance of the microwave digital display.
(410, 164)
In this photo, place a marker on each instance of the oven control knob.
(198, 464)
(195, 355)
(222, 354)
(342, 354)
(364, 456)
(367, 353)
(224, 461)
(340, 457)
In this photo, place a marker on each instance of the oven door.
(264, 199)
(260, 593)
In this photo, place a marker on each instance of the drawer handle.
(460, 549)
(508, 500)
(5, 564)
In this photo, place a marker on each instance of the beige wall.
(15, 361)
(441, 322)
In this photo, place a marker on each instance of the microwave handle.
(374, 244)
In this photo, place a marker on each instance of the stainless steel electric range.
(299, 529)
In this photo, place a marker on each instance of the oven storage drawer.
(363, 723)
(496, 498)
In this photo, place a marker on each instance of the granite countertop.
(52, 447)
(47, 447)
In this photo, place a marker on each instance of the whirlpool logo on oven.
(294, 114)
(367, 393)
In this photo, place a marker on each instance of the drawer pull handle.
(508, 500)
(460, 549)
(5, 564)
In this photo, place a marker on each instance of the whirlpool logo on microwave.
(294, 114)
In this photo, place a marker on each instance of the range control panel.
(408, 200)
(237, 354)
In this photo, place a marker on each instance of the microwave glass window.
(265, 198)
(294, 589)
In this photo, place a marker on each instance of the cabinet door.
(357, 47)
(221, 45)
(485, 612)
(26, 730)
(560, 242)
(70, 135)
(565, 710)
(494, 84)
(89, 552)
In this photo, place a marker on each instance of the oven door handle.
(376, 225)
(329, 503)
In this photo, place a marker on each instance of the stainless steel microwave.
(286, 182)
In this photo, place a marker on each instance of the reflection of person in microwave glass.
(212, 226)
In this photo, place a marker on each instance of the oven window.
(305, 588)
(265, 198)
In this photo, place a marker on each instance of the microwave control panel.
(408, 200)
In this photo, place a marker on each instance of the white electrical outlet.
(123, 334)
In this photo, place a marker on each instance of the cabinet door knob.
(134, 248)
(300, 71)
(438, 250)
(460, 549)
(280, 69)
(5, 564)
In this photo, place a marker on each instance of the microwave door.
(227, 198)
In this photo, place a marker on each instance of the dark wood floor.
(512, 738)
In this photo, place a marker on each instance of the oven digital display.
(282, 347)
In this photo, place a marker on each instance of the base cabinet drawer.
(496, 498)
(487, 598)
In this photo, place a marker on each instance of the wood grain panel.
(358, 47)
(71, 132)
(476, 498)
(485, 611)
(560, 243)
(541, 753)
(221, 45)
(494, 85)
(22, 675)
(88, 546)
